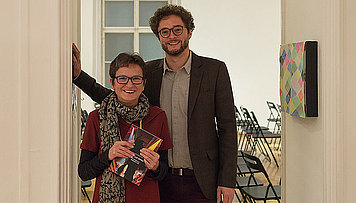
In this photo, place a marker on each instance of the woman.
(102, 143)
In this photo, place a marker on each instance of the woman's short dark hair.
(168, 10)
(123, 60)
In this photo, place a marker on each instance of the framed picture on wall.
(299, 78)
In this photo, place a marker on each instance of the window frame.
(136, 30)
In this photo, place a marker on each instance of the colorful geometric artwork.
(298, 79)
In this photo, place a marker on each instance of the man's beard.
(183, 46)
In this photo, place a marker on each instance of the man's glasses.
(166, 32)
(122, 79)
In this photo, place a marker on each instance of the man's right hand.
(75, 61)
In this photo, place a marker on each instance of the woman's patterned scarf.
(112, 187)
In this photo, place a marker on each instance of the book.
(134, 169)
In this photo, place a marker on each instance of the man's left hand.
(226, 193)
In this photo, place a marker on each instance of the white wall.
(87, 49)
(245, 35)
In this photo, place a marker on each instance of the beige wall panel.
(30, 86)
(9, 90)
(349, 101)
(327, 142)
(43, 99)
(305, 138)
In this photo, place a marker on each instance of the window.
(125, 28)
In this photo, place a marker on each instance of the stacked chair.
(244, 132)
(245, 176)
(265, 134)
(274, 116)
(253, 137)
(83, 119)
(253, 140)
(84, 185)
(241, 123)
(256, 192)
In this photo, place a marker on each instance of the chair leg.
(262, 148)
(274, 128)
(237, 196)
(279, 144)
(243, 196)
(241, 141)
(274, 144)
(86, 194)
(270, 150)
(247, 142)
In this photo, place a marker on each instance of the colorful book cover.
(134, 169)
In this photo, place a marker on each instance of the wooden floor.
(273, 171)
(90, 191)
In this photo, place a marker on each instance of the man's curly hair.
(168, 10)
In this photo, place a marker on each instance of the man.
(196, 94)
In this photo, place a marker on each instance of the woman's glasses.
(122, 79)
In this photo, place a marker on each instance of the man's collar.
(187, 66)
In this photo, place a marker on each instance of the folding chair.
(253, 135)
(240, 121)
(274, 116)
(264, 135)
(257, 193)
(243, 130)
(86, 184)
(245, 177)
(83, 119)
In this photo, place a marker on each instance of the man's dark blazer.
(212, 134)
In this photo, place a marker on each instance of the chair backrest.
(275, 116)
(237, 114)
(253, 162)
(255, 121)
(279, 108)
(248, 119)
(242, 169)
(83, 119)
(274, 112)
(239, 118)
(86, 183)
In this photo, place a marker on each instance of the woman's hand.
(121, 149)
(151, 159)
